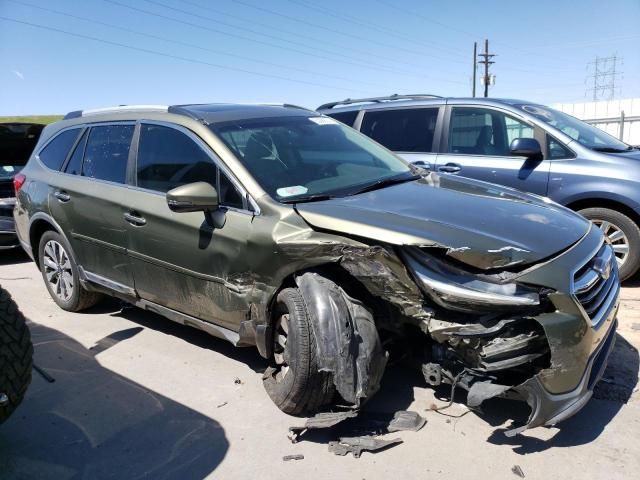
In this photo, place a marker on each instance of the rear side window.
(56, 151)
(107, 151)
(410, 130)
(348, 118)
(75, 162)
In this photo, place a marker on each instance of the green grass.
(32, 119)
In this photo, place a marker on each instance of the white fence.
(620, 118)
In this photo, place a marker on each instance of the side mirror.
(526, 147)
(197, 197)
(193, 197)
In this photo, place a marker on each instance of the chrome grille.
(596, 285)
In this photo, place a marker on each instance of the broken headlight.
(457, 289)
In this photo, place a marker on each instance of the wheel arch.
(609, 203)
(39, 224)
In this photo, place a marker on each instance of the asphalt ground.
(137, 396)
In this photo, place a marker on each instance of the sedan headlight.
(456, 289)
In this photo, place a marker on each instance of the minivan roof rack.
(119, 108)
(395, 96)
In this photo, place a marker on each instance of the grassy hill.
(32, 119)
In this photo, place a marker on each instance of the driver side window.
(167, 158)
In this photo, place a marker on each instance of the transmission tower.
(604, 76)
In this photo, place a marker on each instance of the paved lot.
(137, 396)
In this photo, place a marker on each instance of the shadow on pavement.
(610, 394)
(14, 256)
(93, 423)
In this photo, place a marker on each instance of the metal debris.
(222, 404)
(356, 445)
(320, 420)
(517, 471)
(405, 420)
(237, 381)
(298, 456)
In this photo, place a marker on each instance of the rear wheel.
(293, 381)
(16, 356)
(624, 235)
(60, 274)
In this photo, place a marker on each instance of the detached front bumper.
(581, 333)
(548, 408)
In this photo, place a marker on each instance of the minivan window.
(56, 151)
(583, 133)
(348, 118)
(556, 150)
(74, 165)
(481, 131)
(107, 152)
(167, 158)
(299, 158)
(406, 130)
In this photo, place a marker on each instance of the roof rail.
(395, 96)
(119, 108)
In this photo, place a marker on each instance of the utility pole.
(475, 59)
(486, 80)
(604, 77)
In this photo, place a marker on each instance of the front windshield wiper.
(308, 198)
(611, 149)
(385, 182)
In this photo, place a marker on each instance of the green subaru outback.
(277, 227)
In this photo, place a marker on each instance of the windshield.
(299, 158)
(583, 133)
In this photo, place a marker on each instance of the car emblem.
(602, 268)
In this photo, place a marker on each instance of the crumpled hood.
(481, 224)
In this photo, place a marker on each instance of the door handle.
(135, 220)
(449, 168)
(62, 196)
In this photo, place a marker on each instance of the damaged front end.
(537, 333)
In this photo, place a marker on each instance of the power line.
(167, 55)
(274, 37)
(261, 42)
(370, 25)
(339, 32)
(425, 18)
(186, 44)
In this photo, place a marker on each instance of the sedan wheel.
(58, 270)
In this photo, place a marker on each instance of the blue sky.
(302, 51)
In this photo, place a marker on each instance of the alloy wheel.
(617, 237)
(280, 349)
(57, 269)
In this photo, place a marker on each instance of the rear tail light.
(18, 181)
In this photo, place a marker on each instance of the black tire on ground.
(628, 227)
(303, 389)
(80, 298)
(16, 355)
